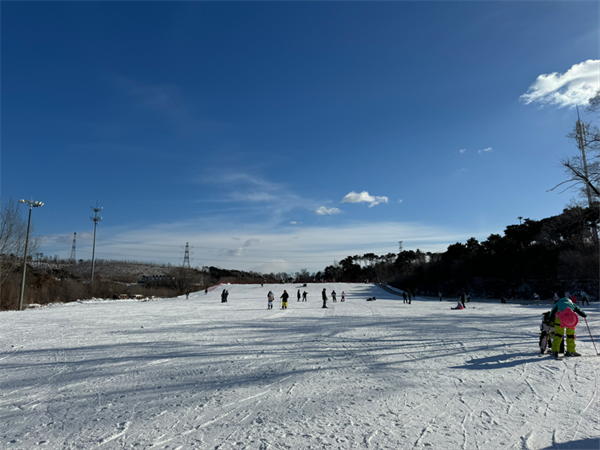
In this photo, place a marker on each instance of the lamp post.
(32, 204)
(96, 220)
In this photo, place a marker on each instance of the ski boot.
(572, 354)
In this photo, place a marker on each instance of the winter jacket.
(563, 304)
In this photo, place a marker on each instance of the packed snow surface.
(200, 374)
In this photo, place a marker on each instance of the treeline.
(550, 255)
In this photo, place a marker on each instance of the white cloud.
(251, 242)
(574, 87)
(485, 150)
(400, 201)
(293, 222)
(354, 197)
(322, 211)
(462, 151)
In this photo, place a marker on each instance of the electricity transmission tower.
(186, 258)
(73, 257)
(96, 220)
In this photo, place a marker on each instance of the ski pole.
(588, 327)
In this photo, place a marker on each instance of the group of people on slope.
(408, 296)
(563, 314)
(285, 296)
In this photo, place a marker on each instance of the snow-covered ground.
(198, 374)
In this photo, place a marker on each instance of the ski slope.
(200, 374)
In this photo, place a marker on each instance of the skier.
(585, 298)
(459, 306)
(205, 291)
(284, 298)
(556, 298)
(270, 298)
(564, 316)
(404, 296)
(298, 294)
(536, 298)
(304, 294)
(440, 294)
(224, 296)
(324, 295)
(344, 297)
(187, 295)
(410, 296)
(333, 294)
(463, 299)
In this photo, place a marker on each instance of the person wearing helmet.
(563, 314)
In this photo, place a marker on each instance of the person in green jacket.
(564, 317)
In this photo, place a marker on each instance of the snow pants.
(558, 337)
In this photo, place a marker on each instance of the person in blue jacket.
(563, 314)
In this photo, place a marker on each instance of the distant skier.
(324, 295)
(410, 297)
(270, 298)
(205, 291)
(585, 298)
(187, 295)
(343, 296)
(298, 294)
(556, 298)
(463, 299)
(404, 296)
(564, 316)
(304, 294)
(440, 294)
(284, 298)
(224, 296)
(333, 294)
(536, 297)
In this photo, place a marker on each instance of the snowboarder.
(343, 296)
(304, 294)
(333, 294)
(270, 298)
(324, 295)
(298, 294)
(564, 316)
(284, 298)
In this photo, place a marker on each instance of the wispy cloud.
(485, 150)
(354, 197)
(575, 87)
(322, 211)
(462, 151)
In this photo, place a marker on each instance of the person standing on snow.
(284, 298)
(556, 298)
(304, 294)
(563, 315)
(298, 294)
(270, 298)
(404, 296)
(343, 296)
(333, 294)
(463, 298)
(324, 295)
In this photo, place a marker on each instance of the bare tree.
(13, 231)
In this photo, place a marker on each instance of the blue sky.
(275, 136)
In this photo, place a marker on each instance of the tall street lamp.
(32, 204)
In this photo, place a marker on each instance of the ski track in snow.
(200, 374)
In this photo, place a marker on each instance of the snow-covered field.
(198, 374)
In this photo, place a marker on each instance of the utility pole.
(96, 220)
(186, 258)
(73, 258)
(581, 143)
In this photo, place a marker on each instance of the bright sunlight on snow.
(200, 374)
